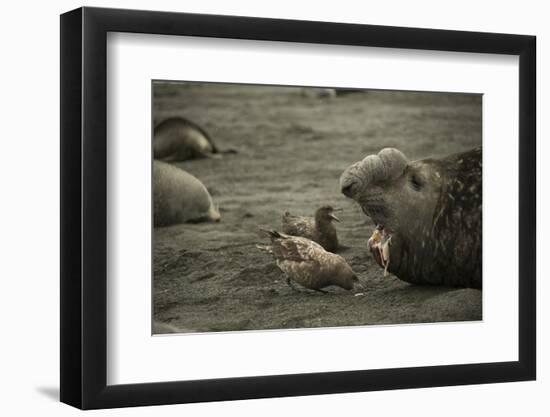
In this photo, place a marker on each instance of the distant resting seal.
(430, 207)
(179, 139)
(318, 92)
(179, 197)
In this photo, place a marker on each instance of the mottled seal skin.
(433, 209)
(179, 197)
(179, 139)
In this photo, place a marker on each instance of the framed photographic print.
(258, 208)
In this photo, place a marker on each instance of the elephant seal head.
(430, 207)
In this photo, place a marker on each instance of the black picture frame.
(84, 207)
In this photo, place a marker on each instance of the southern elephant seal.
(431, 209)
(179, 139)
(179, 197)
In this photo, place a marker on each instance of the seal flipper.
(209, 155)
(216, 151)
(214, 154)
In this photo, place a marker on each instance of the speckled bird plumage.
(308, 264)
(319, 228)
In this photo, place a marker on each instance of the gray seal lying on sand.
(179, 197)
(179, 139)
(431, 209)
(306, 262)
(320, 228)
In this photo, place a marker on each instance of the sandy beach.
(292, 149)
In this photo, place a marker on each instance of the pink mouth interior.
(379, 244)
(381, 235)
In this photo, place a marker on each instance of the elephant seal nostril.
(347, 189)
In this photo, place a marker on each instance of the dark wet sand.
(292, 150)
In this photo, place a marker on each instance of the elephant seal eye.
(416, 182)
